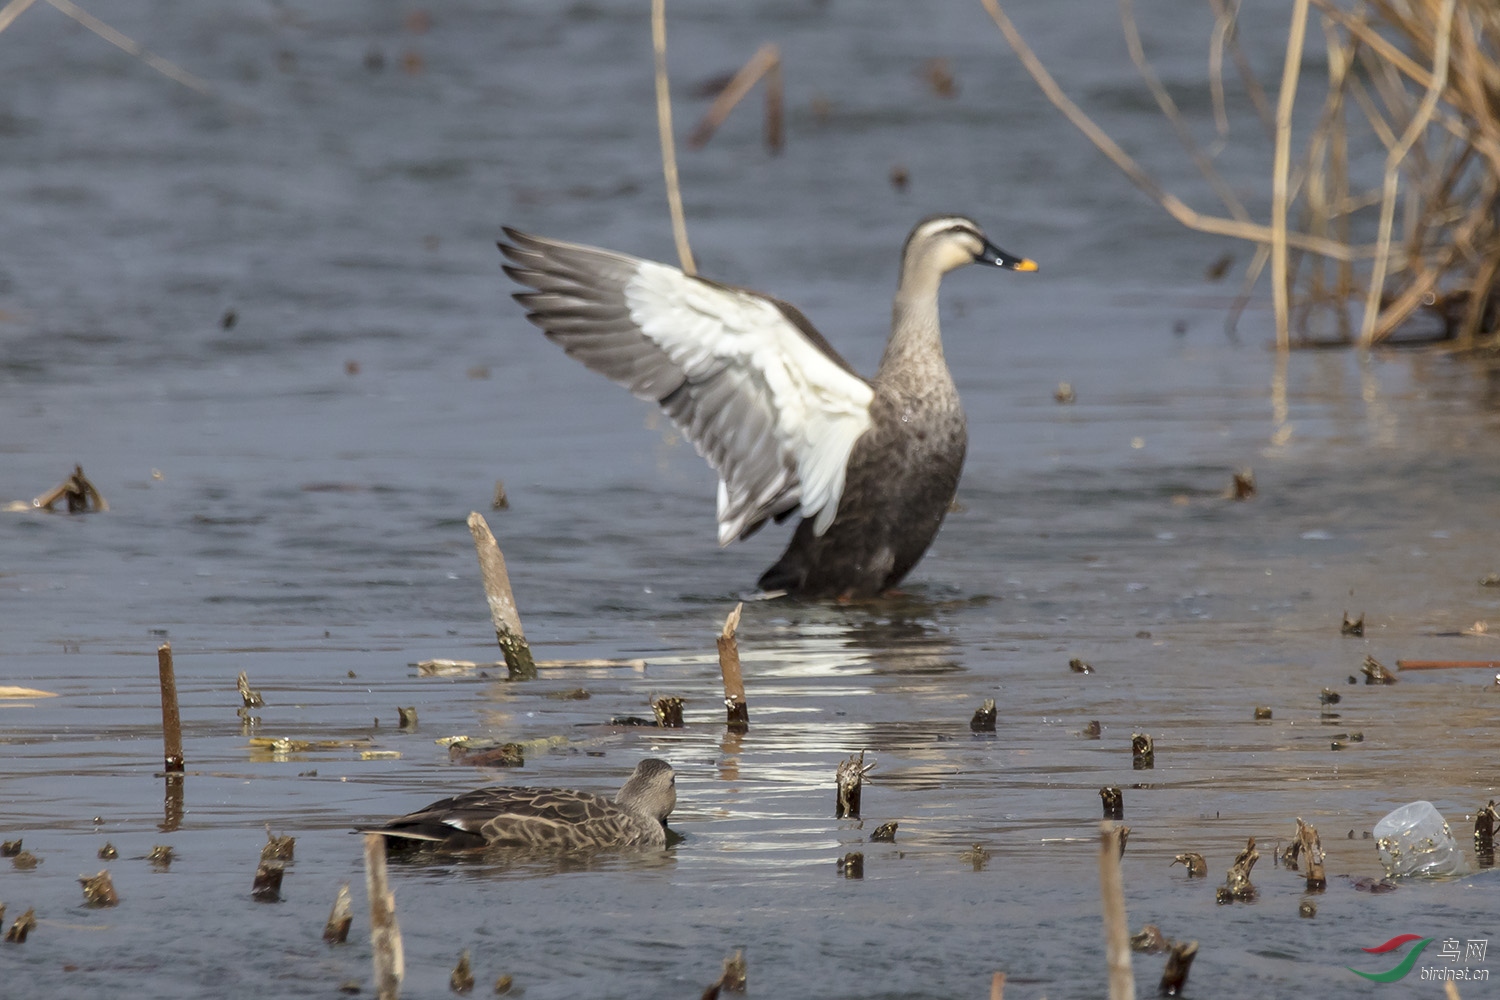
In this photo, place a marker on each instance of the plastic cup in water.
(1415, 840)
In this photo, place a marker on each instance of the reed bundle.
(1412, 84)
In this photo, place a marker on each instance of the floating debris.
(1124, 832)
(503, 983)
(1375, 672)
(10, 848)
(885, 833)
(1490, 580)
(505, 755)
(284, 744)
(11, 691)
(737, 710)
(1079, 667)
(852, 865)
(1242, 485)
(99, 890)
(1365, 883)
(1307, 909)
(1195, 863)
(631, 720)
(850, 778)
(571, 694)
(1149, 940)
(899, 177)
(1344, 739)
(162, 856)
(939, 77)
(1092, 731)
(108, 852)
(1484, 835)
(252, 699)
(1142, 752)
(22, 927)
(171, 718)
(984, 717)
(976, 856)
(1237, 883)
(406, 717)
(24, 860)
(81, 495)
(1114, 802)
(503, 613)
(499, 501)
(1064, 393)
(1218, 267)
(1447, 664)
(1179, 960)
(461, 979)
(449, 668)
(1352, 627)
(340, 918)
(668, 712)
(1262, 712)
(278, 848)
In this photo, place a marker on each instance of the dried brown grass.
(1420, 79)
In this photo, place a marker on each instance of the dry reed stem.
(385, 932)
(664, 128)
(1116, 924)
(997, 986)
(1414, 130)
(13, 10)
(1280, 295)
(1223, 25)
(165, 67)
(1174, 118)
(766, 60)
(1242, 66)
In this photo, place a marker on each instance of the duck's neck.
(916, 342)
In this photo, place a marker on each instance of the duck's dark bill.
(992, 254)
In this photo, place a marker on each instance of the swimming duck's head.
(651, 790)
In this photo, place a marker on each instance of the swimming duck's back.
(541, 819)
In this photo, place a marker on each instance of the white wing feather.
(819, 409)
(773, 410)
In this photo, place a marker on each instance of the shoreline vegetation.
(1410, 256)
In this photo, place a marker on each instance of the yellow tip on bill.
(1026, 264)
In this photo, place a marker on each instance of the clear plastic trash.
(1415, 840)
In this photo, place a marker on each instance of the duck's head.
(940, 243)
(651, 790)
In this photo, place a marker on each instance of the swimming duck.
(545, 819)
(870, 465)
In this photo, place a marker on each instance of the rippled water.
(288, 494)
